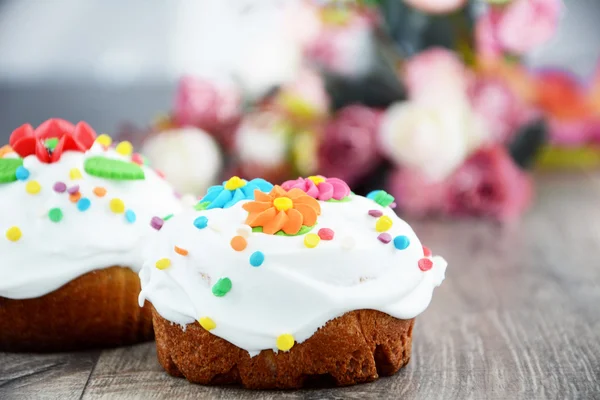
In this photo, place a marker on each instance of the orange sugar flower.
(282, 211)
(4, 150)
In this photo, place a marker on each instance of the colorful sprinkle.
(348, 242)
(285, 342)
(84, 204)
(375, 213)
(238, 243)
(381, 197)
(163, 263)
(326, 234)
(180, 251)
(385, 237)
(200, 222)
(13, 233)
(99, 191)
(401, 242)
(311, 240)
(168, 217)
(207, 323)
(60, 187)
(125, 148)
(244, 231)
(157, 223)
(104, 140)
(75, 174)
(425, 264)
(55, 214)
(74, 198)
(426, 251)
(130, 216)
(383, 224)
(33, 187)
(73, 189)
(117, 206)
(22, 173)
(257, 258)
(222, 287)
(137, 158)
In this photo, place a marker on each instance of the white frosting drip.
(49, 254)
(296, 290)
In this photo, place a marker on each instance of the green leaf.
(111, 168)
(303, 231)
(8, 169)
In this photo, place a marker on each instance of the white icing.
(296, 290)
(49, 254)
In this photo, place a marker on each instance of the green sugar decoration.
(8, 169)
(111, 168)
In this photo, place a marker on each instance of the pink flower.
(436, 6)
(488, 184)
(348, 147)
(517, 27)
(319, 187)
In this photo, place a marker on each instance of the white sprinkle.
(214, 226)
(244, 231)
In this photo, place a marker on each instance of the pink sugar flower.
(319, 187)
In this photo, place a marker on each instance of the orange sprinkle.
(181, 251)
(99, 191)
(238, 243)
(75, 197)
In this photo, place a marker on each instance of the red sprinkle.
(385, 237)
(160, 173)
(426, 251)
(137, 159)
(325, 234)
(425, 264)
(375, 213)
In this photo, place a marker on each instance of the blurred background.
(361, 90)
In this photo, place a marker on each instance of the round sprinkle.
(180, 251)
(74, 198)
(238, 243)
(124, 148)
(426, 251)
(33, 187)
(13, 233)
(75, 174)
(383, 224)
(59, 187)
(401, 242)
(163, 263)
(375, 213)
(244, 231)
(201, 222)
(207, 323)
(55, 214)
(385, 237)
(83, 204)
(285, 342)
(157, 223)
(22, 173)
(104, 140)
(222, 287)
(137, 158)
(117, 206)
(425, 264)
(257, 258)
(73, 189)
(130, 216)
(393, 205)
(311, 240)
(348, 242)
(99, 191)
(326, 234)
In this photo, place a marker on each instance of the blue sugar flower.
(232, 191)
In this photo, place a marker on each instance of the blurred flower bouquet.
(426, 99)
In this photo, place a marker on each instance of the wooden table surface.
(518, 317)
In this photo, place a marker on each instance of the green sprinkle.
(55, 214)
(8, 169)
(222, 287)
(201, 206)
(168, 217)
(51, 143)
(383, 198)
(303, 231)
(342, 200)
(114, 169)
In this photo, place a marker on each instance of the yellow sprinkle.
(283, 203)
(117, 206)
(13, 234)
(104, 140)
(235, 182)
(207, 323)
(124, 148)
(33, 187)
(163, 263)
(285, 342)
(75, 174)
(383, 224)
(311, 240)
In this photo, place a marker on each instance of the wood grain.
(518, 317)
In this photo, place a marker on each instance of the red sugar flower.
(49, 140)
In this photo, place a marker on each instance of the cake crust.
(357, 347)
(98, 309)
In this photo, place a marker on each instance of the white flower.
(261, 140)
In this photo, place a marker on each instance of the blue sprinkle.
(201, 222)
(257, 258)
(83, 204)
(401, 242)
(372, 194)
(130, 216)
(22, 173)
